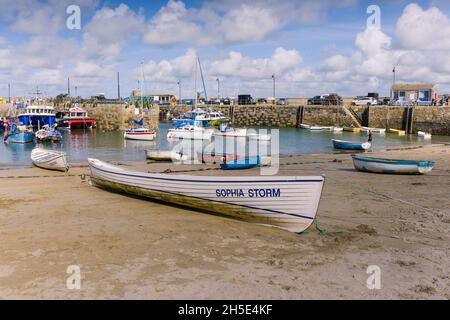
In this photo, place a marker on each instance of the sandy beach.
(130, 248)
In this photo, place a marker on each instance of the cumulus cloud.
(419, 29)
(230, 22)
(107, 32)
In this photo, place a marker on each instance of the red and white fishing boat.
(77, 118)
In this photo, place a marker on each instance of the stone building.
(414, 91)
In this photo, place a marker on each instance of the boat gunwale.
(189, 178)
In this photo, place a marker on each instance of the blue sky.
(313, 47)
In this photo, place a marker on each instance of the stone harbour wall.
(111, 117)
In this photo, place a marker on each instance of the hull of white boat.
(241, 133)
(374, 130)
(289, 203)
(190, 134)
(380, 165)
(143, 136)
(49, 159)
(165, 155)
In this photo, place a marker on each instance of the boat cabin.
(39, 110)
(77, 112)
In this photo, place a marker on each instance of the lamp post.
(218, 89)
(273, 77)
(179, 91)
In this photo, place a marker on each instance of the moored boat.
(38, 116)
(338, 129)
(49, 159)
(48, 134)
(381, 165)
(226, 131)
(139, 134)
(397, 131)
(246, 163)
(351, 129)
(304, 126)
(165, 155)
(18, 134)
(350, 145)
(373, 130)
(190, 132)
(288, 202)
(77, 118)
(424, 134)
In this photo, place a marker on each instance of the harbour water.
(111, 146)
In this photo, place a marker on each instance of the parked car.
(332, 99)
(282, 101)
(423, 102)
(385, 101)
(244, 99)
(262, 100)
(315, 100)
(364, 101)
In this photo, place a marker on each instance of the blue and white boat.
(38, 116)
(381, 165)
(246, 163)
(351, 145)
(19, 135)
(198, 114)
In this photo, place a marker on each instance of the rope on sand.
(46, 176)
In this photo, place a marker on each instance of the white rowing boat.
(165, 155)
(374, 130)
(49, 159)
(289, 202)
(424, 135)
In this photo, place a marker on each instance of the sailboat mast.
(203, 80)
(142, 87)
(196, 61)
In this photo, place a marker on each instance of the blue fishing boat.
(20, 137)
(38, 116)
(381, 165)
(246, 163)
(350, 145)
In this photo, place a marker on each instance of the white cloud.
(230, 22)
(108, 31)
(419, 29)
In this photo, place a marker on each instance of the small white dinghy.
(49, 159)
(424, 134)
(165, 155)
(287, 202)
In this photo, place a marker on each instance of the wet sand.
(133, 248)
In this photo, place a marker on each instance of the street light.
(218, 88)
(273, 77)
(179, 91)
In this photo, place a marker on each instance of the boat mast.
(195, 76)
(203, 80)
(142, 86)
